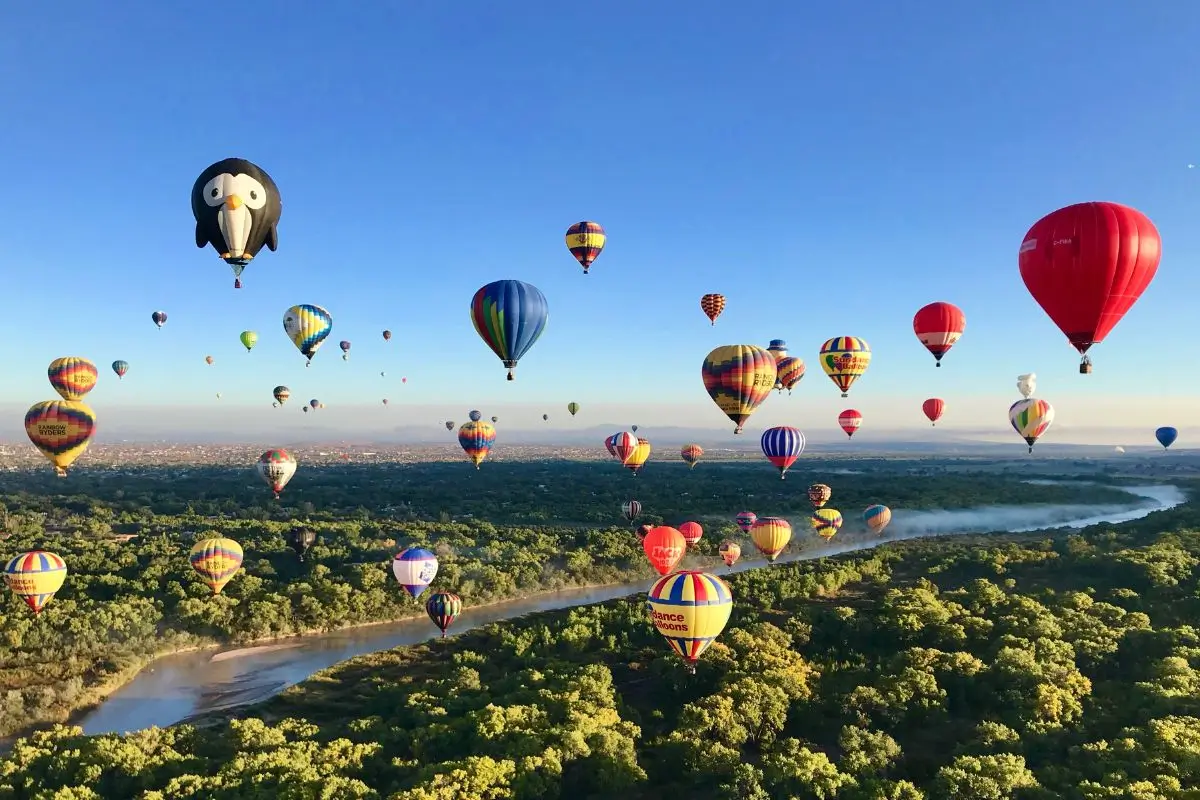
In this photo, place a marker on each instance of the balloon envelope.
(938, 326)
(738, 377)
(782, 445)
(877, 517)
(72, 377)
(690, 609)
(216, 561)
(770, 535)
(35, 577)
(1166, 436)
(415, 568)
(664, 546)
(509, 316)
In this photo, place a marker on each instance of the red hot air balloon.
(692, 532)
(934, 407)
(850, 420)
(664, 547)
(623, 445)
(1086, 265)
(938, 326)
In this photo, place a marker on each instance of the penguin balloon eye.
(217, 188)
(253, 194)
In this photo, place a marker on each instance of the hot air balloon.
(638, 458)
(938, 326)
(248, 340)
(387, 336)
(633, 428)
(300, 539)
(1030, 418)
(385, 401)
(690, 609)
(738, 377)
(632, 509)
(509, 316)
(218, 395)
(344, 344)
(730, 552)
(35, 577)
(1027, 384)
(1166, 436)
(745, 520)
(282, 393)
(845, 359)
(415, 568)
(712, 305)
(691, 453)
(664, 546)
(443, 608)
(237, 208)
(934, 407)
(573, 408)
(208, 360)
(276, 468)
(610, 445)
(495, 419)
(304, 409)
(545, 417)
(120, 367)
(308, 326)
(72, 377)
(449, 425)
(692, 532)
(642, 530)
(850, 420)
(216, 561)
(770, 535)
(159, 318)
(877, 517)
(585, 240)
(61, 429)
(782, 445)
(778, 348)
(314, 404)
(1086, 265)
(819, 494)
(826, 522)
(790, 371)
(476, 439)
(474, 415)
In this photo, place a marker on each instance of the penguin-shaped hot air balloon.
(237, 208)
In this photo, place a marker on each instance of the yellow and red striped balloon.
(35, 577)
(690, 609)
(845, 359)
(738, 377)
(712, 305)
(586, 241)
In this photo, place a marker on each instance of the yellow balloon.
(640, 455)
(826, 522)
(738, 377)
(61, 429)
(770, 535)
(35, 577)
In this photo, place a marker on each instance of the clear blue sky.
(830, 167)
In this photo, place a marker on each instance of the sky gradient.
(828, 168)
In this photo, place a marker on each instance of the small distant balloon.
(120, 367)
(586, 241)
(249, 339)
(159, 318)
(345, 345)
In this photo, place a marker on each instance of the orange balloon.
(664, 547)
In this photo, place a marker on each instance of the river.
(175, 688)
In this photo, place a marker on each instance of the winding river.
(175, 688)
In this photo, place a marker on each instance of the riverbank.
(185, 687)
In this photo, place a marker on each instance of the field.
(856, 674)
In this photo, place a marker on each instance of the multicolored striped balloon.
(35, 577)
(790, 371)
(509, 316)
(443, 608)
(476, 439)
(1030, 419)
(308, 327)
(730, 552)
(877, 517)
(72, 377)
(745, 520)
(738, 377)
(61, 429)
(690, 609)
(216, 561)
(712, 305)
(586, 241)
(691, 453)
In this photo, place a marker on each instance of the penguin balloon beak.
(233, 202)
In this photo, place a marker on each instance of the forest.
(131, 594)
(1030, 667)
